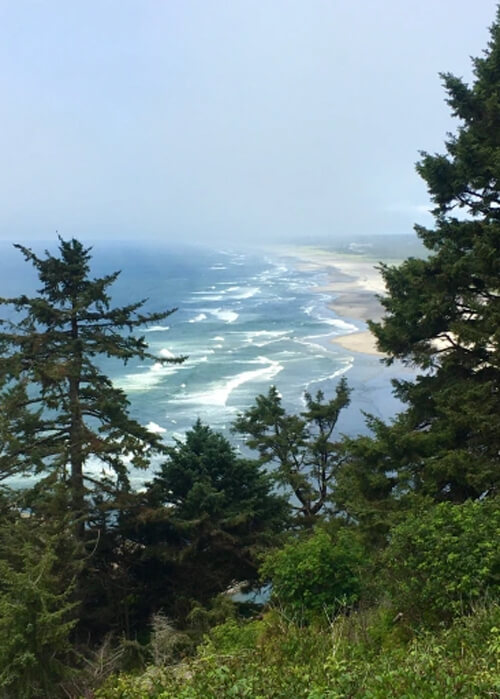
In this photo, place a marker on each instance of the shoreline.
(353, 283)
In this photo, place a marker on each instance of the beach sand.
(353, 284)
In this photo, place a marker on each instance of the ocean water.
(246, 320)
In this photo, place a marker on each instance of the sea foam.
(147, 379)
(156, 329)
(219, 394)
(225, 315)
(155, 428)
(243, 293)
(198, 318)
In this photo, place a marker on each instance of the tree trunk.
(76, 433)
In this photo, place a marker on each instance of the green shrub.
(316, 575)
(441, 560)
(277, 659)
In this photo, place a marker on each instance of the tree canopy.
(210, 512)
(301, 447)
(58, 407)
(442, 313)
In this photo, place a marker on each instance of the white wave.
(166, 354)
(245, 293)
(203, 296)
(226, 316)
(266, 337)
(343, 325)
(219, 394)
(316, 346)
(156, 329)
(147, 379)
(155, 428)
(268, 342)
(198, 318)
(340, 324)
(347, 367)
(277, 270)
(266, 333)
(196, 359)
(218, 338)
(218, 267)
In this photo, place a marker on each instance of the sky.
(238, 120)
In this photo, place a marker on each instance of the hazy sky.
(239, 119)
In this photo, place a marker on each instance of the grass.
(364, 654)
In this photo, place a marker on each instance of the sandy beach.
(353, 284)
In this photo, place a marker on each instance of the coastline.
(353, 283)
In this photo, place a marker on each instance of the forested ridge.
(378, 555)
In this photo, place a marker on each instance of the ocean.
(246, 320)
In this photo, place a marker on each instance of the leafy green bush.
(279, 659)
(315, 575)
(439, 561)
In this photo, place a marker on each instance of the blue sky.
(201, 120)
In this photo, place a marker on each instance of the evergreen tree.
(39, 562)
(442, 313)
(301, 446)
(58, 408)
(210, 513)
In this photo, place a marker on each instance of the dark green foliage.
(370, 487)
(440, 561)
(39, 561)
(58, 408)
(300, 446)
(317, 575)
(210, 512)
(443, 313)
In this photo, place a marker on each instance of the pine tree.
(306, 457)
(39, 562)
(209, 515)
(58, 408)
(443, 312)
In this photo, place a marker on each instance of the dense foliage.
(355, 656)
(39, 561)
(316, 575)
(442, 560)
(443, 312)
(202, 523)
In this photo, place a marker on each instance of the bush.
(276, 658)
(442, 560)
(316, 575)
